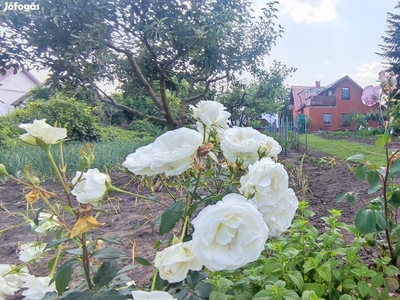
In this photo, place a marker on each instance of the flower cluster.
(233, 232)
(12, 278)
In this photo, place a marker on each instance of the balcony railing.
(321, 101)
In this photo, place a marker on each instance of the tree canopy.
(140, 45)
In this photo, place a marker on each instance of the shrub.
(76, 116)
(8, 131)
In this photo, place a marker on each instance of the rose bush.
(219, 228)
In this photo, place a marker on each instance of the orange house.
(329, 107)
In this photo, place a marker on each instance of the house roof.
(10, 72)
(300, 93)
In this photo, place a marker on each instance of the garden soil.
(320, 176)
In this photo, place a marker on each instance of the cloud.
(310, 11)
(367, 74)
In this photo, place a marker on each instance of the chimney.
(318, 84)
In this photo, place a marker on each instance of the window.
(346, 118)
(346, 93)
(327, 119)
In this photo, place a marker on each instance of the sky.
(328, 39)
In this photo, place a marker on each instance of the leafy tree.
(141, 44)
(268, 94)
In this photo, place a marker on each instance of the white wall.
(12, 88)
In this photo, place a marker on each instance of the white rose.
(154, 295)
(173, 152)
(174, 262)
(212, 114)
(229, 234)
(279, 217)
(139, 161)
(266, 182)
(91, 187)
(40, 130)
(31, 251)
(46, 222)
(11, 282)
(37, 287)
(246, 143)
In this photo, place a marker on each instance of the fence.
(287, 134)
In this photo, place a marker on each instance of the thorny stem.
(166, 187)
(86, 263)
(153, 283)
(64, 179)
(53, 269)
(13, 227)
(60, 178)
(184, 228)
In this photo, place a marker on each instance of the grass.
(343, 149)
(108, 155)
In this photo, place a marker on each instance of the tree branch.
(109, 100)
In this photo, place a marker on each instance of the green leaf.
(112, 240)
(345, 297)
(395, 199)
(107, 271)
(391, 270)
(363, 288)
(365, 221)
(56, 242)
(108, 253)
(348, 284)
(319, 289)
(395, 169)
(377, 281)
(297, 279)
(63, 275)
(325, 272)
(374, 189)
(142, 261)
(95, 295)
(216, 295)
(380, 221)
(382, 140)
(341, 197)
(203, 289)
(361, 172)
(357, 158)
(373, 178)
(171, 216)
(373, 293)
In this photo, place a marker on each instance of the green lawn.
(343, 148)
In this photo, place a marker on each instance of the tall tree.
(246, 101)
(391, 42)
(140, 44)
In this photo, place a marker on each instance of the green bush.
(8, 131)
(146, 128)
(76, 116)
